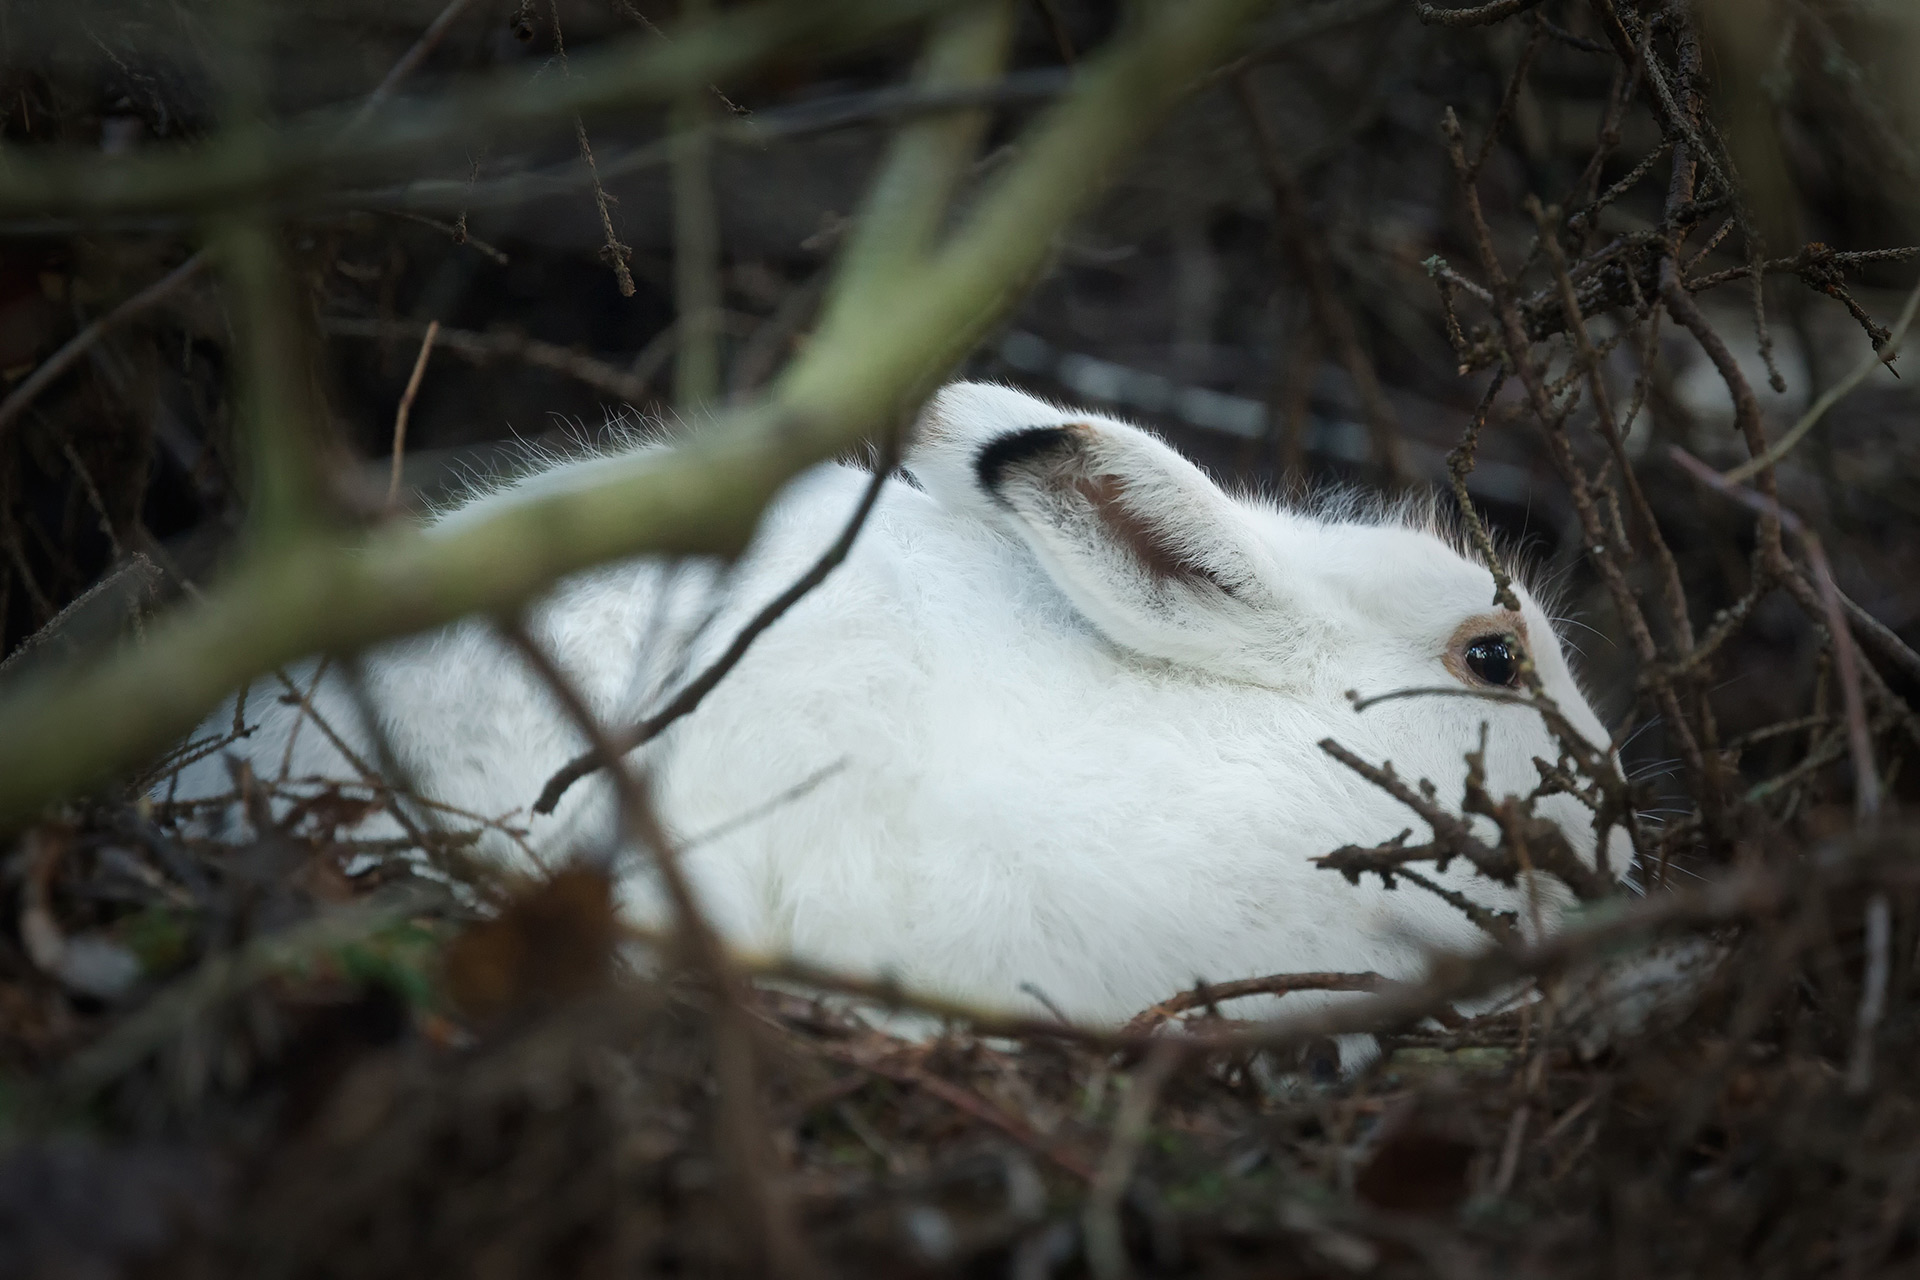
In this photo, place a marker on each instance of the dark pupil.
(1492, 659)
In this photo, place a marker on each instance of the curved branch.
(620, 742)
(865, 368)
(1479, 15)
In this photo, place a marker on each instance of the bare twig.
(616, 254)
(1613, 431)
(1303, 241)
(80, 343)
(1460, 460)
(1883, 638)
(480, 348)
(1206, 995)
(1510, 1152)
(1832, 395)
(1755, 894)
(696, 251)
(695, 690)
(410, 61)
(1859, 739)
(1454, 838)
(401, 414)
(1516, 354)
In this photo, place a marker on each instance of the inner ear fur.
(1064, 462)
(1143, 544)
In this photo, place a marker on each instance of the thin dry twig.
(415, 55)
(696, 250)
(1613, 431)
(1840, 636)
(1515, 348)
(616, 254)
(1884, 355)
(1453, 838)
(481, 348)
(1752, 894)
(80, 343)
(1303, 242)
(690, 696)
(405, 409)
(1206, 995)
(1460, 461)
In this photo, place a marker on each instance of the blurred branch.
(801, 120)
(1285, 34)
(1100, 1224)
(696, 247)
(226, 974)
(257, 161)
(280, 427)
(1301, 237)
(866, 368)
(410, 61)
(743, 1126)
(909, 199)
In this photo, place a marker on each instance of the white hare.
(1067, 694)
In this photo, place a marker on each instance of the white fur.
(1054, 768)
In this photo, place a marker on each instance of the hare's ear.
(1146, 547)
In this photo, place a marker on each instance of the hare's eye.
(1494, 659)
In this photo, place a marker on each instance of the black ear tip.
(1016, 447)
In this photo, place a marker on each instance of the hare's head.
(1298, 606)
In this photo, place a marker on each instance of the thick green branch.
(276, 411)
(901, 219)
(862, 371)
